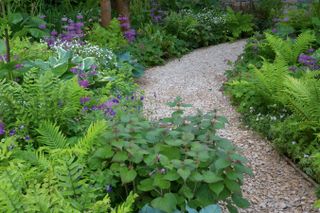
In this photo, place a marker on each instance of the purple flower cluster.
(72, 30)
(106, 107)
(308, 61)
(83, 76)
(2, 128)
(155, 12)
(128, 32)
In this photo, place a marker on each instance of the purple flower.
(274, 30)
(42, 26)
(27, 138)
(308, 61)
(122, 18)
(130, 35)
(116, 101)
(2, 130)
(42, 16)
(141, 98)
(12, 132)
(84, 83)
(94, 67)
(54, 33)
(286, 19)
(84, 100)
(79, 16)
(311, 50)
(108, 188)
(18, 66)
(74, 70)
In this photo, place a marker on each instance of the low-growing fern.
(289, 50)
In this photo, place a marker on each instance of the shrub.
(110, 37)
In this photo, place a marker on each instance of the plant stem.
(7, 43)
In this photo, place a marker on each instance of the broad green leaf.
(60, 69)
(103, 152)
(167, 203)
(120, 156)
(171, 176)
(217, 187)
(127, 175)
(186, 191)
(221, 163)
(232, 185)
(146, 185)
(184, 173)
(211, 177)
(240, 201)
(160, 182)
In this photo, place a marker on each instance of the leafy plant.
(110, 37)
(239, 23)
(188, 163)
(289, 50)
(40, 97)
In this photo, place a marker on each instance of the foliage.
(168, 167)
(110, 37)
(40, 97)
(238, 23)
(155, 46)
(177, 5)
(265, 11)
(289, 50)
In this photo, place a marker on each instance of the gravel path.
(197, 78)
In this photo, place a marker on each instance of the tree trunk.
(105, 6)
(122, 7)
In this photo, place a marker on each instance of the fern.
(239, 23)
(289, 50)
(95, 130)
(126, 207)
(42, 96)
(268, 80)
(51, 136)
(302, 96)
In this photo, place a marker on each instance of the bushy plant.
(110, 37)
(40, 97)
(238, 23)
(155, 45)
(168, 167)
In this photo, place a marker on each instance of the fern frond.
(94, 131)
(303, 96)
(101, 206)
(289, 50)
(269, 78)
(302, 43)
(127, 206)
(51, 136)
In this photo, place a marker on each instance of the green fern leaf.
(51, 136)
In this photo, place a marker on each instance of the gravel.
(276, 187)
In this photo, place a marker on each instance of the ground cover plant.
(73, 135)
(275, 85)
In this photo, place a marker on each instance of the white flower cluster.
(207, 16)
(105, 57)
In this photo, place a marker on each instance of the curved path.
(198, 77)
